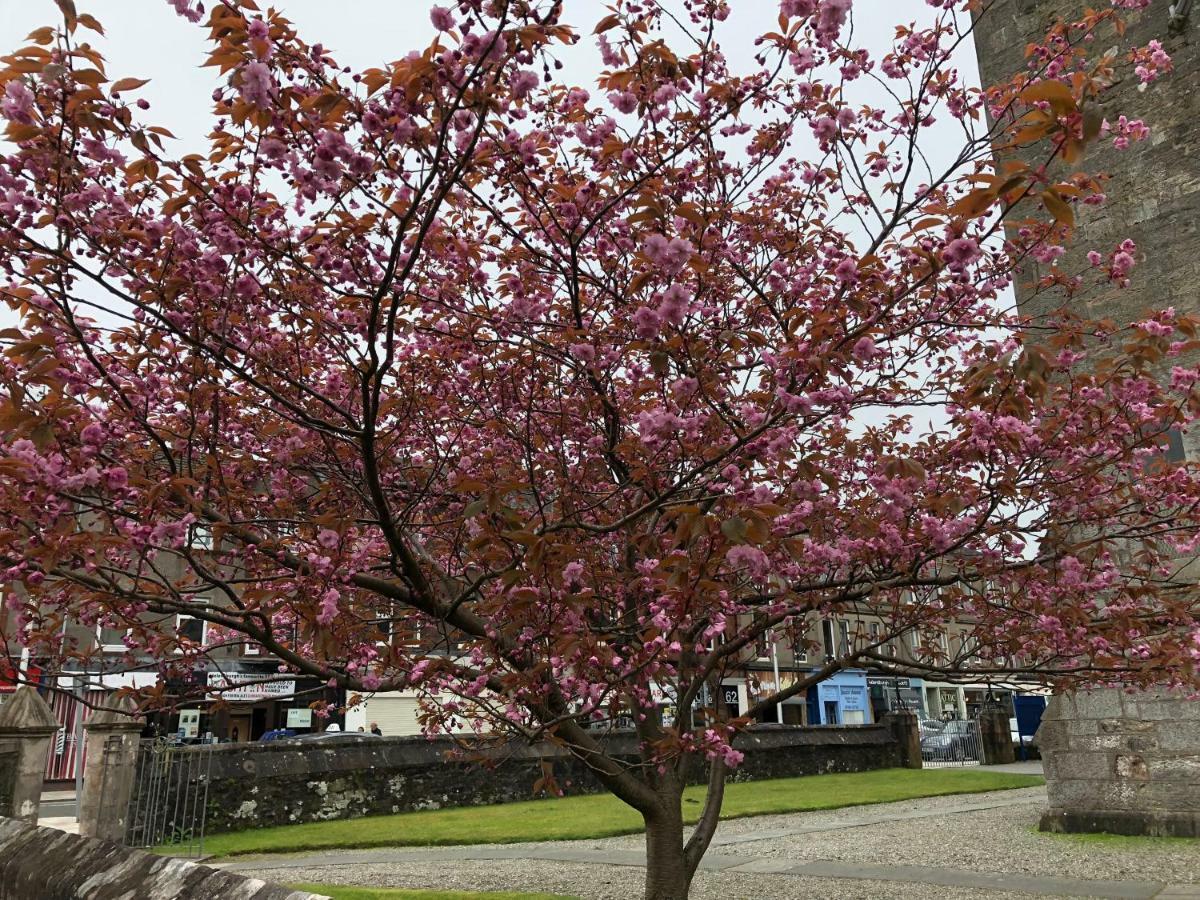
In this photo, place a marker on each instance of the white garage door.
(395, 715)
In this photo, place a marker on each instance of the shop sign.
(879, 680)
(299, 718)
(242, 686)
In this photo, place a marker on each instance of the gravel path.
(617, 882)
(931, 832)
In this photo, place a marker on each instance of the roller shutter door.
(396, 715)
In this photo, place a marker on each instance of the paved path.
(724, 858)
(728, 862)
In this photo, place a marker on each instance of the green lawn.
(1121, 841)
(602, 815)
(341, 892)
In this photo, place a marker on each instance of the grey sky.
(146, 39)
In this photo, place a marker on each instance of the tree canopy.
(576, 391)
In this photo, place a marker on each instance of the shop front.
(892, 693)
(252, 703)
(761, 685)
(841, 699)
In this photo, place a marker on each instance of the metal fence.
(949, 744)
(170, 797)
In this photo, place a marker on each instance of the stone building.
(1117, 761)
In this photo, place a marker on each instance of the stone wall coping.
(53, 865)
(120, 717)
(27, 712)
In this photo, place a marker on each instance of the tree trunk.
(668, 876)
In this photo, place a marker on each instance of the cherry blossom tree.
(580, 390)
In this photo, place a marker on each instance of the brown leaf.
(1059, 208)
(127, 84)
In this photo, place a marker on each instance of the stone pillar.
(1124, 763)
(907, 729)
(112, 751)
(26, 725)
(996, 737)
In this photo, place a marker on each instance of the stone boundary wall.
(47, 864)
(285, 782)
(1123, 763)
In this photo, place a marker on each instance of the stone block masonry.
(286, 782)
(47, 864)
(1122, 763)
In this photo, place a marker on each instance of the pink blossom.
(623, 101)
(865, 349)
(960, 253)
(256, 84)
(441, 18)
(647, 323)
(523, 82)
(329, 606)
(825, 129)
(572, 572)
(675, 303)
(801, 8)
(17, 105)
(585, 353)
(846, 271)
(753, 560)
(328, 538)
(184, 8)
(670, 255)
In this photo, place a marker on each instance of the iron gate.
(170, 797)
(953, 743)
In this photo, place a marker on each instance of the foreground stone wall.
(279, 783)
(47, 864)
(1122, 763)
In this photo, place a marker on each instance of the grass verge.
(346, 892)
(1108, 841)
(602, 815)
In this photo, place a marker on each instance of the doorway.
(239, 728)
(831, 712)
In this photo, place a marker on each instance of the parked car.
(956, 741)
(335, 736)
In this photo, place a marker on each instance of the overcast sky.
(146, 39)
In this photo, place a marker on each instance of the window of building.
(111, 640)
(844, 634)
(827, 637)
(762, 647)
(191, 628)
(200, 537)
